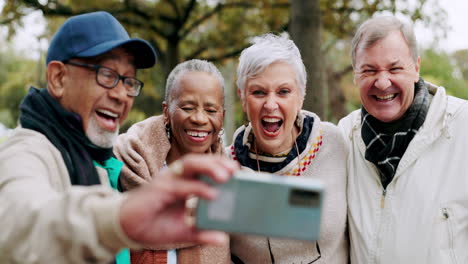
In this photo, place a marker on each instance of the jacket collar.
(437, 123)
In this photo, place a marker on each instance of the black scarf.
(42, 113)
(387, 142)
(242, 151)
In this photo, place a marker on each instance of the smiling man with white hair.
(407, 182)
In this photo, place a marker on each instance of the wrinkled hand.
(155, 213)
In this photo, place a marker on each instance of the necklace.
(258, 162)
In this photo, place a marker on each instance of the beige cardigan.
(144, 149)
(329, 165)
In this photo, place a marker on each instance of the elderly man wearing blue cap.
(55, 170)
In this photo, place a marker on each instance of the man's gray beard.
(101, 137)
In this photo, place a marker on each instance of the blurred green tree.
(441, 69)
(178, 29)
(461, 59)
(218, 30)
(339, 20)
(15, 74)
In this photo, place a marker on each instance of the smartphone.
(264, 204)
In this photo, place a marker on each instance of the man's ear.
(355, 76)
(417, 67)
(239, 92)
(56, 73)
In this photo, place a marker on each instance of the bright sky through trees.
(26, 39)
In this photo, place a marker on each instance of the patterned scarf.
(267, 163)
(387, 142)
(42, 113)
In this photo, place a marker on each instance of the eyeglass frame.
(97, 67)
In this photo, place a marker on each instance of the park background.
(218, 30)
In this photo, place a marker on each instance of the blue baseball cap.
(93, 34)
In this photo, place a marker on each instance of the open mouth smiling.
(107, 114)
(108, 118)
(385, 98)
(271, 124)
(196, 135)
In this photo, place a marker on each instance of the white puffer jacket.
(422, 216)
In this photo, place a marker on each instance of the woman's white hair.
(266, 50)
(193, 65)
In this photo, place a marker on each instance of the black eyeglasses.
(109, 78)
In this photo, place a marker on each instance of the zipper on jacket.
(376, 250)
(382, 199)
(446, 215)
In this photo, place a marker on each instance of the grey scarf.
(387, 142)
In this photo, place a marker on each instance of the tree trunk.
(230, 91)
(171, 58)
(305, 30)
(337, 99)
